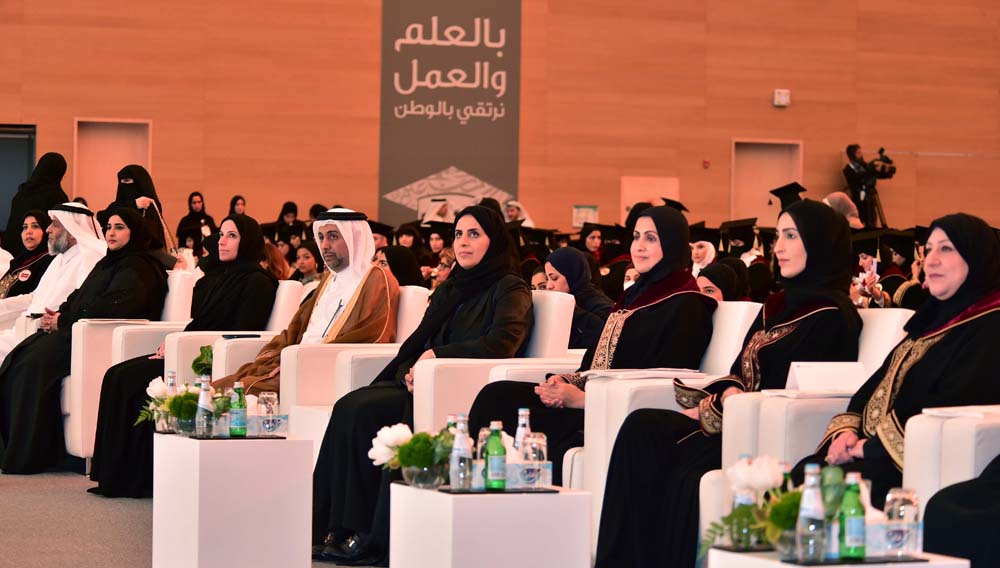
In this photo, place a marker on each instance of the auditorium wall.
(279, 100)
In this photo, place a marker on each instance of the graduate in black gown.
(663, 320)
(27, 269)
(567, 270)
(483, 310)
(948, 358)
(127, 283)
(235, 294)
(650, 514)
(719, 281)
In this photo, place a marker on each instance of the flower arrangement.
(182, 405)
(396, 447)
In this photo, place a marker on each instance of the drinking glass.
(902, 511)
(484, 434)
(267, 410)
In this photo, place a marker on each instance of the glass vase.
(430, 477)
(184, 427)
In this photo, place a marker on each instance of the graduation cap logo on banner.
(788, 194)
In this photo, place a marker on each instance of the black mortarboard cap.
(866, 242)
(699, 232)
(446, 230)
(920, 234)
(900, 241)
(788, 194)
(767, 236)
(675, 204)
(381, 229)
(535, 236)
(739, 229)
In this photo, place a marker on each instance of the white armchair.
(182, 348)
(446, 386)
(311, 383)
(91, 358)
(943, 447)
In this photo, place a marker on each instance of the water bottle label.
(854, 531)
(496, 468)
(237, 418)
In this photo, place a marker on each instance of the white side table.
(723, 559)
(430, 529)
(245, 503)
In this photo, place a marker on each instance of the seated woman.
(27, 269)
(963, 520)
(720, 282)
(235, 294)
(742, 277)
(661, 321)
(482, 311)
(567, 271)
(445, 267)
(948, 357)
(127, 283)
(650, 515)
(308, 266)
(401, 262)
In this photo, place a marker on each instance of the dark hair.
(851, 149)
(315, 210)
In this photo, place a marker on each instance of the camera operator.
(861, 177)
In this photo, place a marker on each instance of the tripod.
(876, 209)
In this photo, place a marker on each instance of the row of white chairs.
(940, 450)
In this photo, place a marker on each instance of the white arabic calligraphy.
(454, 36)
(453, 79)
(443, 108)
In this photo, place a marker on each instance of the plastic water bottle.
(523, 426)
(460, 462)
(810, 530)
(171, 383)
(205, 418)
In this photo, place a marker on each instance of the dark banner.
(449, 109)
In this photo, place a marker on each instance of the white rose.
(395, 436)
(157, 388)
(740, 475)
(380, 454)
(765, 473)
(194, 389)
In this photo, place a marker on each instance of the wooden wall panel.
(279, 100)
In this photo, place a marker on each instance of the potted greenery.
(423, 457)
(184, 407)
(202, 364)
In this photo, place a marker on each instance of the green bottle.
(852, 520)
(496, 459)
(238, 412)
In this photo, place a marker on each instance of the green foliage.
(145, 415)
(442, 446)
(221, 404)
(184, 406)
(202, 364)
(783, 513)
(418, 452)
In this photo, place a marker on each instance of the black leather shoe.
(317, 549)
(351, 550)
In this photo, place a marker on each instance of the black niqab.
(976, 242)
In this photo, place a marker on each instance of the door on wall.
(17, 161)
(759, 166)
(102, 147)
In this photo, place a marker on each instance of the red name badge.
(24, 275)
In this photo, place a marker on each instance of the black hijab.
(139, 241)
(403, 265)
(574, 266)
(288, 207)
(232, 204)
(976, 242)
(219, 293)
(40, 191)
(460, 286)
(43, 221)
(826, 277)
(672, 228)
(48, 172)
(633, 214)
(141, 186)
(742, 275)
(490, 203)
(724, 278)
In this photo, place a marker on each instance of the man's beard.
(59, 245)
(335, 263)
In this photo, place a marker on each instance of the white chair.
(309, 385)
(944, 450)
(730, 324)
(445, 386)
(789, 429)
(182, 348)
(91, 358)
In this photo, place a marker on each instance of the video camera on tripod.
(881, 167)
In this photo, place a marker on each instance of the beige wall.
(279, 100)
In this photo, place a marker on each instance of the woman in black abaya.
(948, 358)
(482, 311)
(401, 262)
(235, 294)
(663, 320)
(127, 283)
(137, 192)
(650, 513)
(567, 270)
(27, 269)
(41, 191)
(197, 225)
